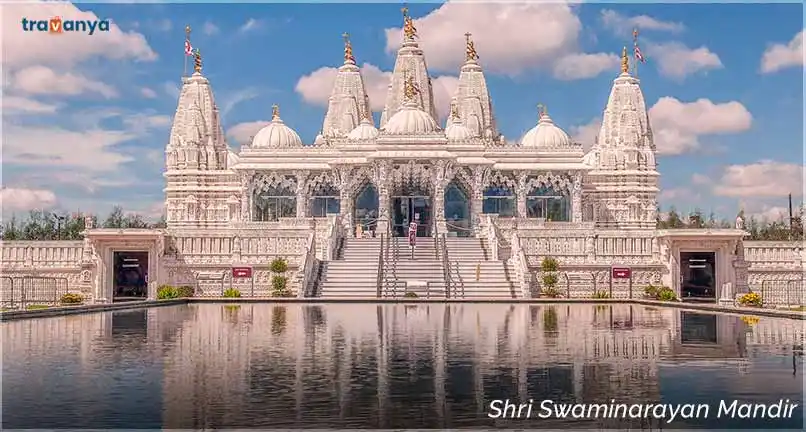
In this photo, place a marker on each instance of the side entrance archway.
(412, 202)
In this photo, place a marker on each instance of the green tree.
(673, 220)
(116, 218)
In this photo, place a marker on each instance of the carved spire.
(348, 49)
(454, 110)
(625, 61)
(410, 89)
(409, 31)
(470, 49)
(197, 66)
(275, 112)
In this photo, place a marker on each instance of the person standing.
(413, 233)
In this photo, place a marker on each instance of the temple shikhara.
(489, 210)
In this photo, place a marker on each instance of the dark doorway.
(698, 276)
(130, 277)
(406, 209)
(696, 328)
(457, 210)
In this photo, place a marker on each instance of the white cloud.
(43, 80)
(243, 132)
(586, 134)
(143, 122)
(22, 48)
(19, 199)
(90, 150)
(764, 178)
(677, 125)
(677, 61)
(582, 66)
(171, 89)
(21, 105)
(233, 99)
(148, 93)
(250, 25)
(510, 38)
(622, 24)
(316, 87)
(780, 56)
(210, 29)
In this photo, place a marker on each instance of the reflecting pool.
(395, 366)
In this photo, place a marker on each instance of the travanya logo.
(57, 25)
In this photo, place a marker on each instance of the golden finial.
(409, 88)
(367, 114)
(197, 66)
(625, 61)
(470, 49)
(454, 110)
(275, 112)
(348, 49)
(408, 25)
(187, 30)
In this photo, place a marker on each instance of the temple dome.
(276, 135)
(456, 131)
(411, 120)
(546, 135)
(366, 130)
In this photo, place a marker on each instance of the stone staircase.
(425, 266)
(354, 274)
(469, 256)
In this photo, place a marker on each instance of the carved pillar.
(381, 178)
(343, 181)
(740, 267)
(520, 193)
(477, 199)
(236, 250)
(439, 181)
(301, 193)
(246, 198)
(576, 199)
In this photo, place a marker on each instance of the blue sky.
(86, 118)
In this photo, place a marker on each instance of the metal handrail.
(446, 264)
(460, 285)
(380, 267)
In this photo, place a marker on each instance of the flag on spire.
(188, 48)
(636, 50)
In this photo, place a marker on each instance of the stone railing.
(308, 266)
(521, 265)
(27, 256)
(776, 271)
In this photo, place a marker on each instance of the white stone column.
(382, 186)
(576, 199)
(301, 193)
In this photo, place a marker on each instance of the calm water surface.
(389, 366)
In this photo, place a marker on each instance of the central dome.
(276, 134)
(411, 120)
(546, 135)
(364, 131)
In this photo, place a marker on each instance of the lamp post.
(59, 220)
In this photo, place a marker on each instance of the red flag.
(638, 55)
(188, 48)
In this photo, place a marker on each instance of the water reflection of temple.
(395, 366)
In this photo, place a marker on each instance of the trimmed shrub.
(167, 292)
(661, 293)
(72, 299)
(186, 291)
(752, 299)
(279, 265)
(411, 294)
(232, 293)
(279, 286)
(549, 267)
(601, 295)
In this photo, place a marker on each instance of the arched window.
(325, 201)
(457, 209)
(274, 202)
(545, 202)
(499, 200)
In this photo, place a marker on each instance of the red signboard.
(241, 272)
(621, 272)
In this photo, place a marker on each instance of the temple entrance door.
(404, 209)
